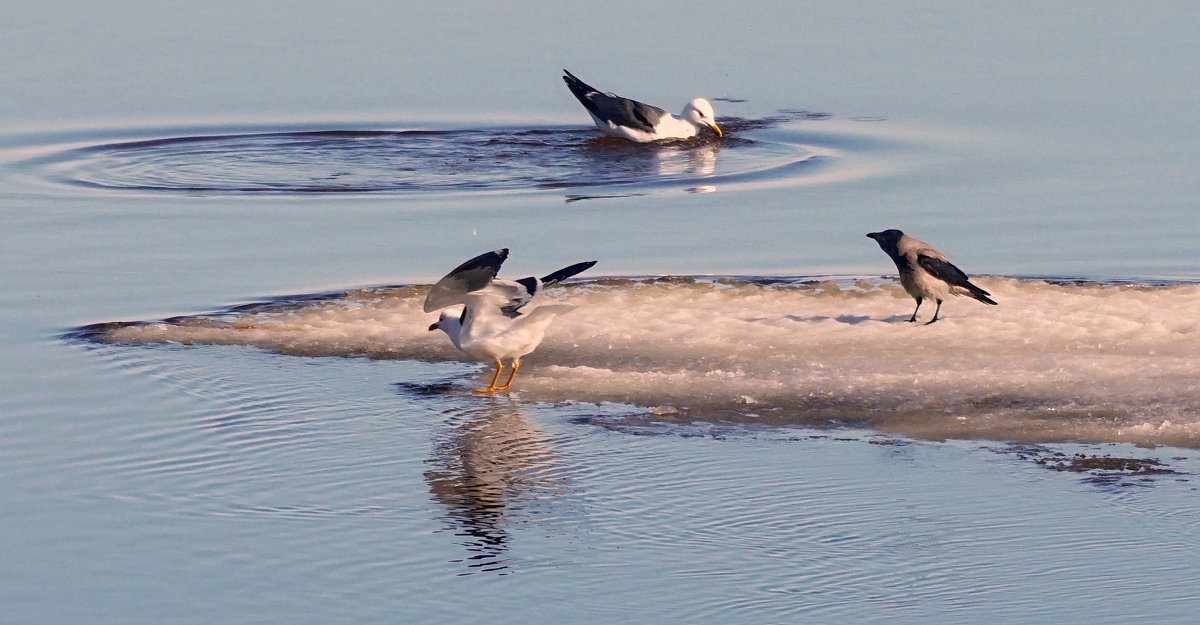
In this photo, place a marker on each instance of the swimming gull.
(497, 322)
(633, 120)
(925, 272)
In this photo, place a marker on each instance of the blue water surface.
(179, 484)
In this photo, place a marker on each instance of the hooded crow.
(925, 272)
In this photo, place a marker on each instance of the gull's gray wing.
(613, 108)
(470, 276)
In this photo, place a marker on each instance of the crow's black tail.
(980, 294)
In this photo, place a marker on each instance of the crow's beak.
(433, 327)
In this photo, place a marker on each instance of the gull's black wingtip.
(567, 272)
(492, 259)
(579, 89)
(469, 276)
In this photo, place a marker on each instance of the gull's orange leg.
(516, 365)
(492, 387)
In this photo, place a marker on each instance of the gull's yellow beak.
(433, 327)
(716, 130)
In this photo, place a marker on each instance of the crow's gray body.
(925, 272)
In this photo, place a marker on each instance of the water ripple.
(403, 162)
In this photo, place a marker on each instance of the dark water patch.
(642, 424)
(97, 332)
(1104, 470)
(426, 389)
(803, 114)
(1142, 284)
(406, 162)
(577, 198)
(889, 442)
(1080, 463)
(685, 423)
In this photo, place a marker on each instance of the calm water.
(281, 444)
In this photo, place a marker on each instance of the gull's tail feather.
(567, 272)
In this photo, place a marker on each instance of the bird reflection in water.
(493, 471)
(618, 162)
(692, 160)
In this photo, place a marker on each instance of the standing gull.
(496, 322)
(925, 272)
(633, 120)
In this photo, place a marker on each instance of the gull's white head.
(700, 113)
(451, 323)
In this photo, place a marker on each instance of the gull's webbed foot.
(492, 387)
(516, 366)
